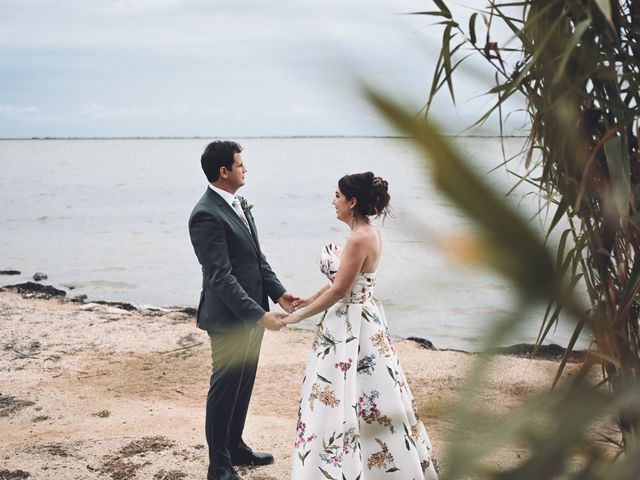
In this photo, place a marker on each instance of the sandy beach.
(93, 391)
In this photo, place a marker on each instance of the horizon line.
(244, 137)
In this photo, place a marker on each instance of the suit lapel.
(254, 231)
(228, 210)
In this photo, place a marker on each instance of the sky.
(219, 68)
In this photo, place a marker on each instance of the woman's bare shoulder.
(364, 237)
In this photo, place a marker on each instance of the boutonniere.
(246, 206)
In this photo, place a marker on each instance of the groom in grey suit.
(234, 305)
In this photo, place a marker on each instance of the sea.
(107, 218)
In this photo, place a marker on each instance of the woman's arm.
(305, 301)
(353, 257)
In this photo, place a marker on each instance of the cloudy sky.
(75, 68)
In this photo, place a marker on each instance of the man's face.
(235, 176)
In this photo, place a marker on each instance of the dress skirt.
(357, 419)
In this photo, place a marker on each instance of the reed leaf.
(517, 252)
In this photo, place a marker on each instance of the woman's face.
(343, 206)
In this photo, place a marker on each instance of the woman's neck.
(358, 223)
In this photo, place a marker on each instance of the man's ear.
(224, 173)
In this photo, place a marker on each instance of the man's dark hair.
(218, 154)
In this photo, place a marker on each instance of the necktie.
(238, 209)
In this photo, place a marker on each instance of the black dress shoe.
(223, 473)
(249, 457)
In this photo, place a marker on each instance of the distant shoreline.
(251, 137)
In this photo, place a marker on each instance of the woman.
(357, 419)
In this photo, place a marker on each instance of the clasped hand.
(289, 303)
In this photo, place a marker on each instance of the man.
(234, 308)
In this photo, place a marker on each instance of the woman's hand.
(292, 318)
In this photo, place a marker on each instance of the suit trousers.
(234, 356)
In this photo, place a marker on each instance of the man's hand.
(303, 302)
(288, 301)
(293, 318)
(273, 320)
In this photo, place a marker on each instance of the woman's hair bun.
(370, 191)
(379, 197)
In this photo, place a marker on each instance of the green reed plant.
(575, 64)
(578, 69)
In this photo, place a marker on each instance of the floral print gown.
(357, 419)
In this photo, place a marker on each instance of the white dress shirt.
(229, 198)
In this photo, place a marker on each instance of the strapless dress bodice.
(362, 288)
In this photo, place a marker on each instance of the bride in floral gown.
(357, 419)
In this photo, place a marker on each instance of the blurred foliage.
(576, 64)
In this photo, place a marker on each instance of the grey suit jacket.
(236, 277)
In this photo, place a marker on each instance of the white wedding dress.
(357, 419)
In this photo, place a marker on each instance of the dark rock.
(423, 342)
(428, 345)
(124, 306)
(40, 276)
(14, 475)
(188, 310)
(10, 272)
(547, 352)
(40, 291)
(544, 352)
(79, 298)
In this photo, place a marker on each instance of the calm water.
(109, 217)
